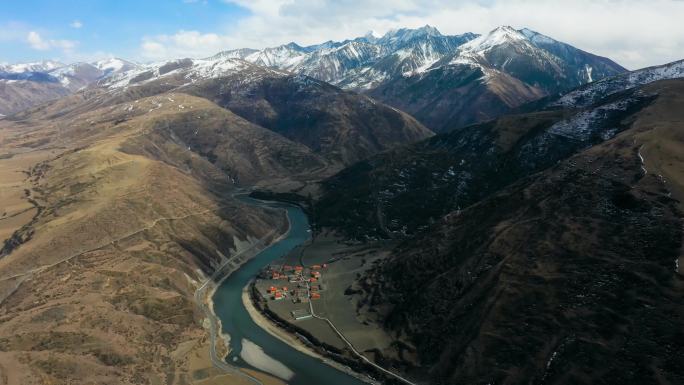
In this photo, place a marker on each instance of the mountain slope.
(339, 125)
(124, 224)
(567, 276)
(17, 95)
(400, 192)
(589, 94)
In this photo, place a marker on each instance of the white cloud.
(634, 33)
(76, 24)
(38, 43)
(183, 44)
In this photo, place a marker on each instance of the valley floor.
(337, 264)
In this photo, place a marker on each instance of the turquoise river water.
(295, 367)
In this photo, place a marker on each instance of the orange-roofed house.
(315, 296)
(316, 267)
(299, 268)
(313, 280)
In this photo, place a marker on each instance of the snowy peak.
(285, 56)
(114, 65)
(361, 62)
(187, 71)
(500, 36)
(239, 53)
(41, 66)
(370, 36)
(405, 34)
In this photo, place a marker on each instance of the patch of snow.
(591, 93)
(584, 124)
(641, 158)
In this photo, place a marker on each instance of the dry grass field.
(107, 243)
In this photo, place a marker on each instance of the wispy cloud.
(76, 24)
(37, 42)
(183, 44)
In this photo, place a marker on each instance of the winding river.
(251, 346)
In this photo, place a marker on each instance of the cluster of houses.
(304, 282)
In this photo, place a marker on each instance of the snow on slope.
(283, 57)
(499, 36)
(42, 66)
(593, 92)
(114, 65)
(190, 70)
(363, 62)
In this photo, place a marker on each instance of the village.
(295, 285)
(312, 287)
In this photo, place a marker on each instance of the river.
(253, 347)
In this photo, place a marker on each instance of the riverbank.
(204, 296)
(273, 329)
(294, 340)
(253, 347)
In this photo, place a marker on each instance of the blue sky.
(635, 33)
(98, 27)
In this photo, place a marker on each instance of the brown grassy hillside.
(98, 277)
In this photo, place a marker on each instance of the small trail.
(109, 243)
(353, 349)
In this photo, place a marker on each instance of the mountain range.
(444, 81)
(513, 205)
(28, 84)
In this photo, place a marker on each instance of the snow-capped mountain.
(114, 66)
(183, 72)
(536, 59)
(491, 74)
(72, 76)
(24, 85)
(404, 52)
(363, 62)
(443, 80)
(78, 75)
(41, 66)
